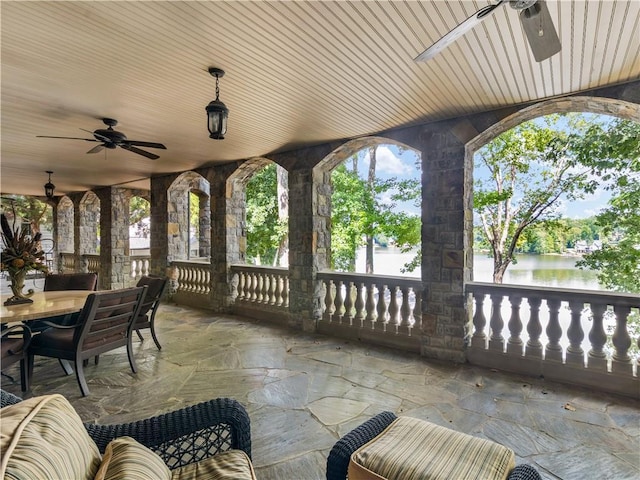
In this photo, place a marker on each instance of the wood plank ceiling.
(297, 73)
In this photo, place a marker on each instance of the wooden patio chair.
(147, 315)
(104, 324)
(56, 282)
(13, 344)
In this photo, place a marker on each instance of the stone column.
(114, 238)
(228, 236)
(159, 228)
(76, 199)
(309, 243)
(445, 206)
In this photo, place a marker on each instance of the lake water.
(536, 270)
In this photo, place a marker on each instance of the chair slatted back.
(156, 287)
(70, 281)
(107, 318)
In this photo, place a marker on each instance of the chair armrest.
(524, 472)
(187, 435)
(57, 325)
(338, 459)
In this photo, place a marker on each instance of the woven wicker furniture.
(342, 452)
(147, 315)
(104, 324)
(211, 438)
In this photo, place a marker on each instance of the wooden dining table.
(45, 305)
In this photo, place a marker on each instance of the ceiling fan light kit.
(536, 23)
(110, 138)
(217, 112)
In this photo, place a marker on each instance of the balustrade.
(261, 286)
(382, 309)
(193, 278)
(586, 338)
(140, 266)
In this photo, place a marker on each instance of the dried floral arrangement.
(21, 252)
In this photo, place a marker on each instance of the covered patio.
(308, 84)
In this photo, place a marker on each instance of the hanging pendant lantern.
(217, 112)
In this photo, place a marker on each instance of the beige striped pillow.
(412, 449)
(229, 465)
(124, 457)
(44, 438)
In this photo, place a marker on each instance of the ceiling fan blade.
(540, 31)
(69, 138)
(133, 149)
(96, 149)
(101, 138)
(457, 32)
(145, 144)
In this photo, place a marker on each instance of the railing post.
(417, 309)
(360, 314)
(278, 291)
(381, 323)
(514, 344)
(621, 361)
(534, 329)
(597, 357)
(348, 302)
(328, 300)
(575, 353)
(393, 309)
(370, 306)
(496, 341)
(285, 293)
(553, 350)
(405, 312)
(339, 301)
(479, 338)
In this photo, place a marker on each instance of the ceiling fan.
(535, 19)
(110, 138)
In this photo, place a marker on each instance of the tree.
(358, 213)
(32, 210)
(523, 174)
(139, 209)
(266, 229)
(613, 151)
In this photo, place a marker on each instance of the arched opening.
(375, 207)
(189, 218)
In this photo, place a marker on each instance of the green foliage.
(265, 230)
(522, 174)
(614, 152)
(32, 210)
(139, 208)
(358, 211)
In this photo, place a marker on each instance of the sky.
(404, 164)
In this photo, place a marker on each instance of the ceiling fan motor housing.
(114, 137)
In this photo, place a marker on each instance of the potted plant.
(21, 253)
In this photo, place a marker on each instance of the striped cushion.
(412, 449)
(126, 458)
(44, 438)
(229, 465)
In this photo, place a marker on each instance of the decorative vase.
(17, 287)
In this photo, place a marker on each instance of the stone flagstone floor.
(304, 391)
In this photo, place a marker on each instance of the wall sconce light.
(49, 187)
(217, 112)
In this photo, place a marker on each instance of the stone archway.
(324, 190)
(178, 226)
